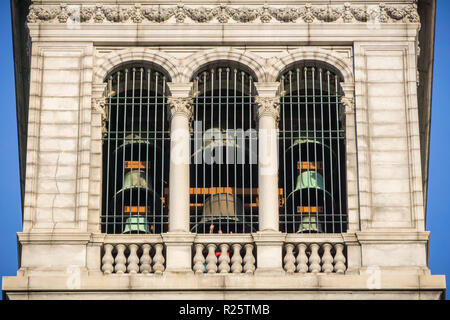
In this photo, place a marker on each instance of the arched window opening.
(312, 178)
(224, 176)
(136, 149)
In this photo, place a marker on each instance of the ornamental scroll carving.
(268, 106)
(99, 105)
(182, 106)
(308, 13)
(348, 103)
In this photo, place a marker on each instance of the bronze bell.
(137, 191)
(221, 206)
(136, 225)
(135, 179)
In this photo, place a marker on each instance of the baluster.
(211, 259)
(314, 259)
(158, 259)
(302, 258)
(339, 259)
(146, 260)
(327, 258)
(224, 259)
(249, 260)
(289, 259)
(236, 260)
(120, 260)
(108, 260)
(133, 260)
(199, 259)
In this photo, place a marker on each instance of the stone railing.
(224, 254)
(314, 255)
(133, 254)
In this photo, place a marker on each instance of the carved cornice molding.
(308, 13)
(268, 106)
(181, 106)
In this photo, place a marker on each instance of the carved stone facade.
(372, 45)
(141, 13)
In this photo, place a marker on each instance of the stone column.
(269, 240)
(179, 240)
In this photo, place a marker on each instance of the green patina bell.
(136, 225)
(309, 180)
(309, 224)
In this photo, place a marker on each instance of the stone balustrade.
(315, 257)
(129, 257)
(224, 254)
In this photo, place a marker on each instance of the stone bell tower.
(224, 151)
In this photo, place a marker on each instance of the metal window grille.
(312, 179)
(224, 176)
(136, 152)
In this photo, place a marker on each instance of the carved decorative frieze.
(183, 106)
(308, 13)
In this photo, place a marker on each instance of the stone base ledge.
(188, 286)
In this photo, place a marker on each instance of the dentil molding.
(308, 13)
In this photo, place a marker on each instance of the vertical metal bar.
(212, 127)
(227, 141)
(140, 137)
(283, 108)
(155, 144)
(250, 149)
(291, 136)
(132, 138)
(307, 139)
(163, 142)
(220, 148)
(299, 138)
(235, 154)
(124, 142)
(146, 146)
(195, 164)
(204, 129)
(313, 69)
(108, 153)
(331, 147)
(243, 153)
(323, 151)
(338, 141)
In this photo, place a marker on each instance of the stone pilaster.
(268, 240)
(179, 241)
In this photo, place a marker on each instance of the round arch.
(115, 59)
(253, 63)
(319, 55)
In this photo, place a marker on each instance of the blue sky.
(438, 219)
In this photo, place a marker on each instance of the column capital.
(99, 106)
(268, 106)
(181, 106)
(349, 103)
